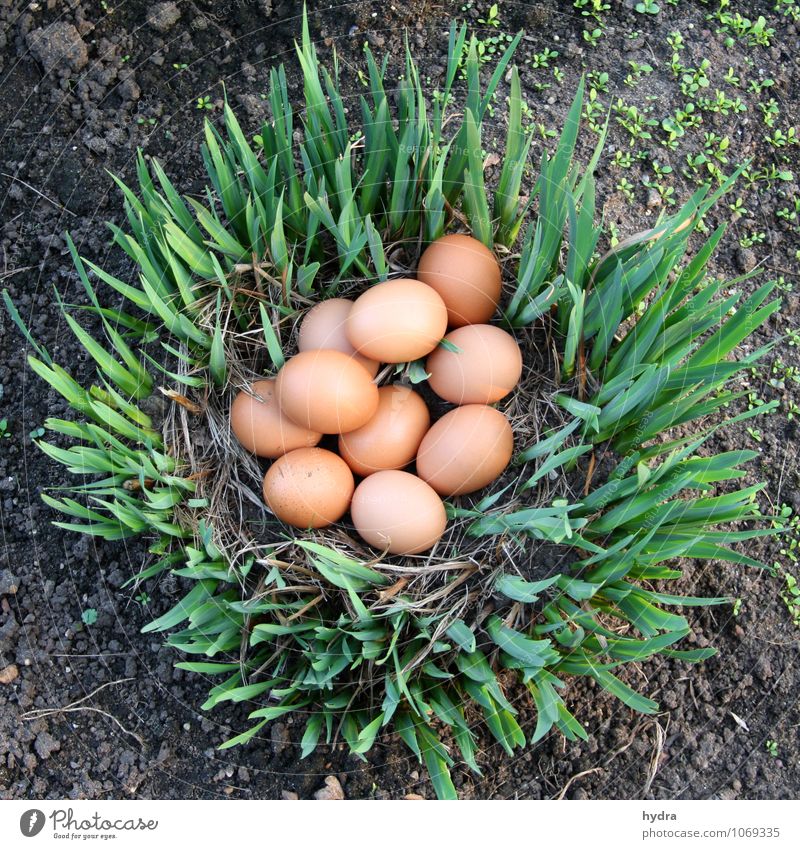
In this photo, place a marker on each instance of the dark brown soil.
(84, 84)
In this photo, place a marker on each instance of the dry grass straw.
(453, 580)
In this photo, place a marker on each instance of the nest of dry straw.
(454, 579)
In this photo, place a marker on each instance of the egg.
(397, 321)
(466, 275)
(258, 423)
(465, 450)
(326, 391)
(389, 440)
(397, 512)
(486, 367)
(309, 488)
(323, 328)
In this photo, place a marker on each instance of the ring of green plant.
(305, 624)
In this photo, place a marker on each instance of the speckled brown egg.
(258, 423)
(309, 488)
(397, 512)
(326, 391)
(466, 275)
(323, 328)
(397, 321)
(465, 450)
(484, 369)
(389, 440)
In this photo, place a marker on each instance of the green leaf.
(532, 653)
(462, 635)
(183, 609)
(245, 737)
(518, 589)
(623, 692)
(217, 363)
(311, 735)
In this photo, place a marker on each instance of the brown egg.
(485, 369)
(467, 276)
(309, 488)
(258, 423)
(397, 321)
(397, 512)
(326, 391)
(389, 440)
(323, 329)
(465, 450)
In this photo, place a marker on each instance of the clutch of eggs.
(328, 388)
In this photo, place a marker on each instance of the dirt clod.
(162, 17)
(746, 260)
(59, 45)
(45, 744)
(9, 583)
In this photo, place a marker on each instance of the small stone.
(280, 738)
(97, 145)
(9, 583)
(9, 674)
(129, 89)
(414, 797)
(289, 795)
(45, 744)
(763, 668)
(653, 199)
(746, 260)
(163, 16)
(331, 791)
(58, 45)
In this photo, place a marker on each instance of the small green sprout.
(626, 187)
(492, 18)
(592, 36)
